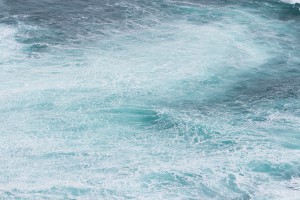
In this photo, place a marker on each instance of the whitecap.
(291, 1)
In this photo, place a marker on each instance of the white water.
(291, 1)
(176, 110)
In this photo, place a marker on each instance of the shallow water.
(134, 99)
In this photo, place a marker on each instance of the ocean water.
(137, 99)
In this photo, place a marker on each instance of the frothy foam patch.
(291, 1)
(8, 46)
(166, 111)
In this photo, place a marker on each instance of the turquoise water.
(140, 99)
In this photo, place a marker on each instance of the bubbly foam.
(199, 103)
(291, 1)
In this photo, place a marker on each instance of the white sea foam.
(291, 1)
(8, 46)
(126, 117)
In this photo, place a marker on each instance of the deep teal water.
(139, 99)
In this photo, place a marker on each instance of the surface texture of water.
(136, 99)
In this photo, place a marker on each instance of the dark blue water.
(144, 99)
